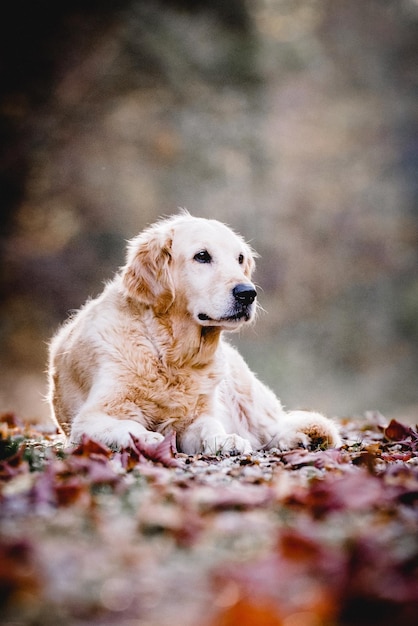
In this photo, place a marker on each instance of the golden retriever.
(148, 355)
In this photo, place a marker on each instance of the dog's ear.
(249, 263)
(147, 273)
(249, 266)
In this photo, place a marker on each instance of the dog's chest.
(170, 379)
(164, 392)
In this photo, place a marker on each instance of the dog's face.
(200, 267)
(212, 270)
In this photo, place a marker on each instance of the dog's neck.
(191, 344)
(177, 339)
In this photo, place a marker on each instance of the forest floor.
(150, 537)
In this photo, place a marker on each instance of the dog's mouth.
(243, 315)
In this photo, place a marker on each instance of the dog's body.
(148, 356)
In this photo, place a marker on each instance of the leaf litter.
(148, 536)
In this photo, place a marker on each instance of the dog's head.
(199, 267)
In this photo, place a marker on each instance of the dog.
(149, 355)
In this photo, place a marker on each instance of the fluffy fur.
(148, 355)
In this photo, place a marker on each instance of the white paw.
(130, 428)
(297, 439)
(226, 444)
(303, 428)
(114, 433)
(149, 437)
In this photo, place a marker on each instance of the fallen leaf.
(396, 431)
(321, 458)
(162, 452)
(353, 491)
(70, 492)
(249, 612)
(89, 447)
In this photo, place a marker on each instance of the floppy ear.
(146, 275)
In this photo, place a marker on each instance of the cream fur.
(148, 355)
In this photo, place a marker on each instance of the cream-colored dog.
(148, 355)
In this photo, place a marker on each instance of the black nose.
(245, 294)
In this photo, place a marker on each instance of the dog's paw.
(226, 444)
(116, 434)
(123, 432)
(307, 430)
(149, 437)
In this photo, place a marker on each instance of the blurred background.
(294, 121)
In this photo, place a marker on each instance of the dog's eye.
(241, 259)
(203, 257)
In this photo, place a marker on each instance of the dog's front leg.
(112, 430)
(208, 436)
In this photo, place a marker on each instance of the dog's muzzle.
(241, 308)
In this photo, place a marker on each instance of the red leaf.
(322, 459)
(353, 492)
(102, 473)
(89, 447)
(295, 546)
(129, 458)
(70, 491)
(397, 456)
(250, 612)
(95, 467)
(163, 452)
(396, 431)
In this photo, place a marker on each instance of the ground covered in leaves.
(149, 537)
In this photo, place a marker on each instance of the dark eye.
(203, 257)
(241, 259)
